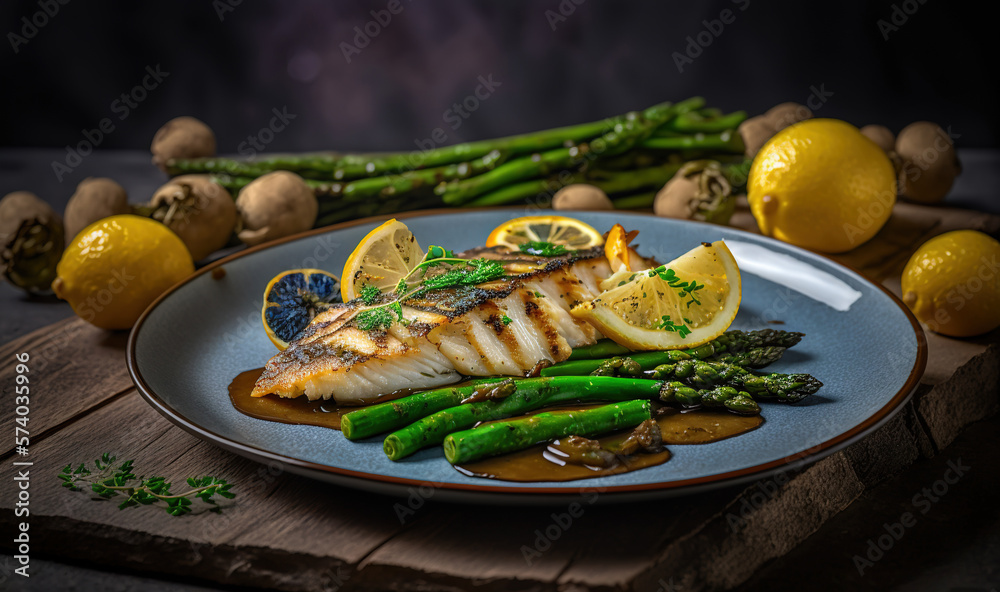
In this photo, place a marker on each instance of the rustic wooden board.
(289, 533)
(74, 367)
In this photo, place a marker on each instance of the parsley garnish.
(370, 294)
(379, 317)
(542, 249)
(668, 325)
(685, 289)
(506, 320)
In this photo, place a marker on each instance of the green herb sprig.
(542, 249)
(370, 294)
(114, 480)
(464, 272)
(685, 289)
(682, 330)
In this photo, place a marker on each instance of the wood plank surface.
(290, 533)
(73, 367)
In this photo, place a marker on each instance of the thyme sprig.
(113, 480)
(463, 272)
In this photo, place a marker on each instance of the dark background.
(604, 58)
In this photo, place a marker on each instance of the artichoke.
(31, 242)
(699, 191)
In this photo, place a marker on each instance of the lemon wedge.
(381, 259)
(687, 302)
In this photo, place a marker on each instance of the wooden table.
(290, 533)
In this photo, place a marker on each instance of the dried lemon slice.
(292, 299)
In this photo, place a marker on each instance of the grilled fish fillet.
(504, 327)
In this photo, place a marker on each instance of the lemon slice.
(292, 299)
(691, 300)
(616, 249)
(558, 230)
(381, 259)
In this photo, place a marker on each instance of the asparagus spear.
(727, 141)
(623, 136)
(583, 360)
(735, 340)
(755, 357)
(637, 201)
(605, 348)
(610, 183)
(787, 388)
(634, 365)
(349, 166)
(414, 180)
(701, 122)
(391, 415)
(510, 435)
(531, 394)
(721, 396)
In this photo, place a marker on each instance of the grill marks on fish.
(452, 332)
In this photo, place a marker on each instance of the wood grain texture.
(73, 367)
(283, 531)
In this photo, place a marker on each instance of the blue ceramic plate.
(860, 341)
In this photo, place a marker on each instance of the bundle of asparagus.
(629, 157)
(714, 374)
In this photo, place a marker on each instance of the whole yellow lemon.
(952, 283)
(117, 266)
(822, 185)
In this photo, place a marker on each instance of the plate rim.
(327, 472)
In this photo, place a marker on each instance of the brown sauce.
(299, 410)
(546, 463)
(539, 463)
